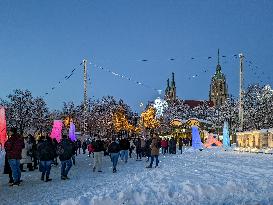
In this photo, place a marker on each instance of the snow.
(211, 176)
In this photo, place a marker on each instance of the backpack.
(59, 150)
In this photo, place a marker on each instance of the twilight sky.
(41, 42)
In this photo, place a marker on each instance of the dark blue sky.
(42, 41)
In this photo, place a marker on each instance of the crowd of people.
(47, 152)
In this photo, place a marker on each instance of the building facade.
(218, 93)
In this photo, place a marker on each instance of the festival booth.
(255, 141)
(183, 128)
(270, 138)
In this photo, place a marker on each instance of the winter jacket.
(26, 158)
(14, 146)
(124, 144)
(98, 146)
(90, 148)
(46, 151)
(164, 143)
(113, 147)
(68, 149)
(154, 146)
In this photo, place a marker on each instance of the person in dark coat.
(180, 144)
(74, 144)
(79, 145)
(13, 148)
(65, 150)
(138, 149)
(174, 145)
(98, 153)
(55, 144)
(34, 151)
(148, 148)
(46, 154)
(124, 147)
(113, 150)
(84, 147)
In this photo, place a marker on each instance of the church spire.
(218, 67)
(218, 57)
(173, 82)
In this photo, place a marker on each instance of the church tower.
(170, 91)
(218, 88)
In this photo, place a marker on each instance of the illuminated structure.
(57, 130)
(226, 138)
(3, 126)
(160, 105)
(196, 140)
(212, 141)
(218, 88)
(72, 134)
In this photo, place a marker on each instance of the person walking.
(113, 150)
(148, 148)
(138, 149)
(180, 144)
(65, 151)
(34, 151)
(155, 146)
(13, 148)
(84, 147)
(27, 153)
(90, 148)
(131, 149)
(46, 154)
(79, 145)
(55, 145)
(98, 154)
(164, 145)
(124, 147)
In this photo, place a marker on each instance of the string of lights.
(249, 63)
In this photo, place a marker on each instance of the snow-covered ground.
(207, 177)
